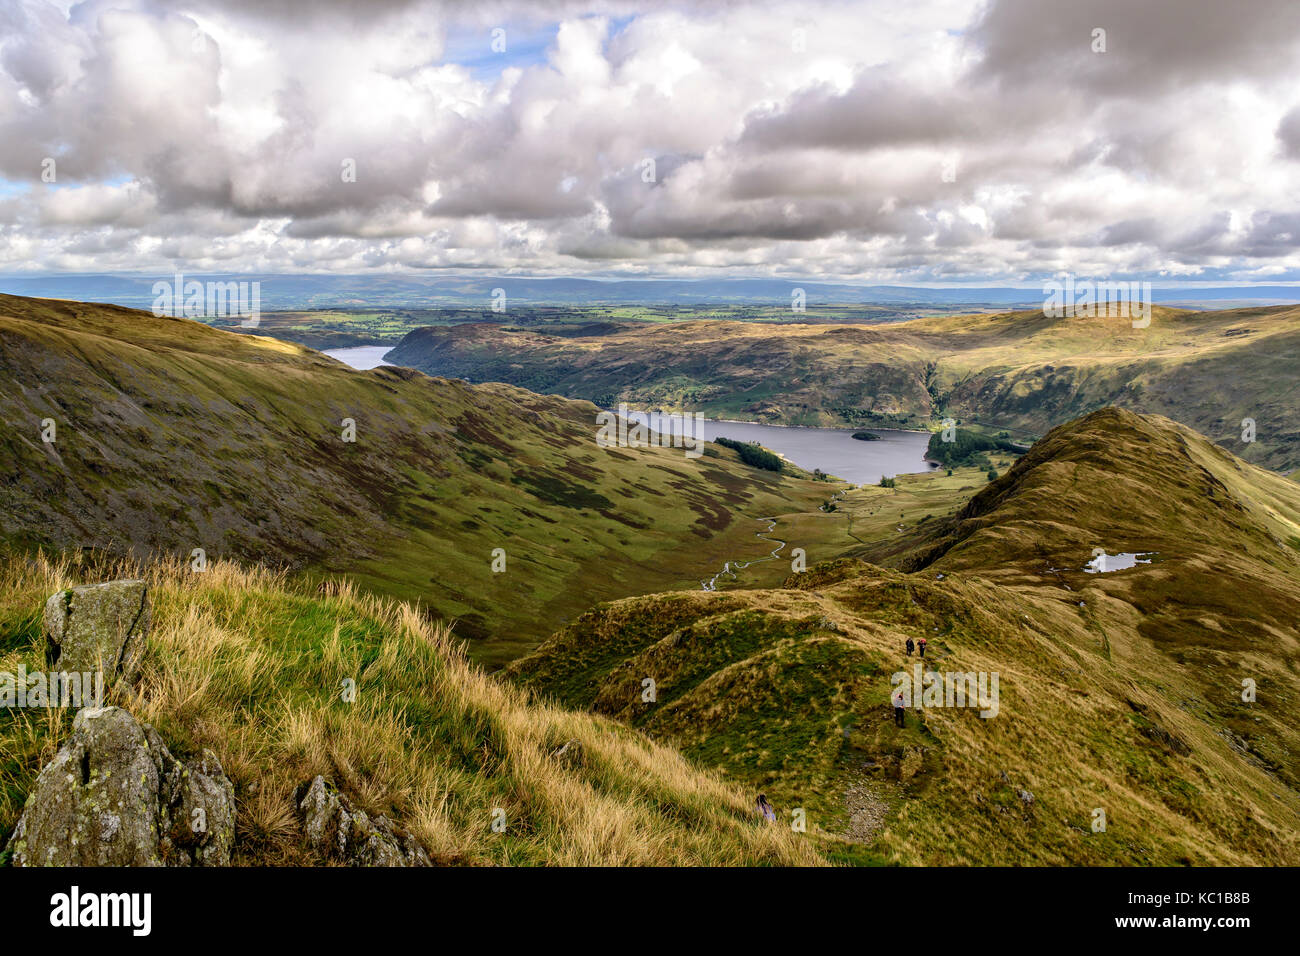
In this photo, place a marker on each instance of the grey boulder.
(115, 796)
(98, 628)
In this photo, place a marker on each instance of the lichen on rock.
(342, 833)
(98, 628)
(115, 796)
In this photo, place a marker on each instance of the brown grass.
(245, 663)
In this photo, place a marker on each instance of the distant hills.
(1020, 370)
(299, 291)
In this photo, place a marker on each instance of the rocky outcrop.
(571, 756)
(344, 834)
(98, 628)
(115, 796)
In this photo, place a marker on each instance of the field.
(343, 327)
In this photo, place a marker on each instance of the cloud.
(1288, 133)
(889, 140)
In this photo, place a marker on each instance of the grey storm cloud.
(1130, 231)
(896, 139)
(1288, 133)
(1151, 46)
(881, 109)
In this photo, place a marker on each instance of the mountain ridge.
(1120, 691)
(1021, 371)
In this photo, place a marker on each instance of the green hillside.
(1119, 692)
(171, 436)
(249, 665)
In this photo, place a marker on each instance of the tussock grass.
(244, 662)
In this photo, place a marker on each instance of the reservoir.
(833, 450)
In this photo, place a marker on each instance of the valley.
(171, 436)
(1120, 692)
(572, 449)
(767, 609)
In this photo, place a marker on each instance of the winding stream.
(731, 567)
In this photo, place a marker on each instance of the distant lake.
(833, 450)
(362, 356)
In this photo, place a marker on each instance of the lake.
(833, 450)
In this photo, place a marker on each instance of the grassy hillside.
(1119, 691)
(251, 666)
(172, 436)
(1017, 370)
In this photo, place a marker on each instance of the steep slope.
(170, 436)
(793, 374)
(250, 666)
(1119, 692)
(1017, 370)
(1206, 370)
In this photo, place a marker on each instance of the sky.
(882, 141)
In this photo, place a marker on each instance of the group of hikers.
(900, 703)
(768, 812)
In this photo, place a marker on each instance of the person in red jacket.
(921, 644)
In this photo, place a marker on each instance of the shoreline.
(823, 428)
(927, 464)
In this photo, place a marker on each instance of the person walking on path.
(921, 644)
(766, 809)
(898, 709)
(910, 646)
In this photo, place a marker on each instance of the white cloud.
(792, 138)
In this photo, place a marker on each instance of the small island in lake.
(866, 436)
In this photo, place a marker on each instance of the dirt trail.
(867, 811)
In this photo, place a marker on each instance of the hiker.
(921, 645)
(898, 709)
(766, 809)
(910, 646)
